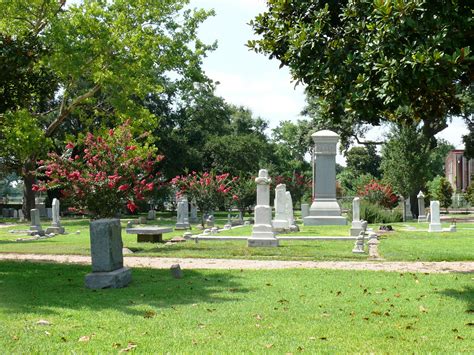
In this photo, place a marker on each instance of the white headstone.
(56, 227)
(289, 209)
(21, 216)
(325, 209)
(262, 232)
(356, 226)
(435, 223)
(15, 214)
(421, 207)
(281, 219)
(304, 210)
(183, 214)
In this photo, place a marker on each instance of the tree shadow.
(465, 294)
(47, 288)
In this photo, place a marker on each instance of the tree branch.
(367, 142)
(65, 112)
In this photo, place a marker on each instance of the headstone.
(289, 209)
(325, 209)
(5, 212)
(176, 271)
(183, 214)
(262, 232)
(210, 221)
(21, 216)
(35, 227)
(42, 209)
(421, 207)
(356, 226)
(280, 223)
(304, 210)
(107, 256)
(151, 215)
(56, 224)
(408, 213)
(49, 213)
(193, 218)
(15, 214)
(435, 223)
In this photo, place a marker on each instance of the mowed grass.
(400, 245)
(282, 311)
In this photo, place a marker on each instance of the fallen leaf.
(376, 313)
(43, 322)
(409, 326)
(129, 347)
(300, 348)
(268, 346)
(84, 338)
(365, 318)
(47, 333)
(312, 338)
(397, 295)
(15, 337)
(470, 324)
(454, 330)
(116, 345)
(210, 309)
(194, 342)
(268, 284)
(258, 316)
(338, 293)
(470, 311)
(201, 325)
(63, 339)
(283, 301)
(323, 338)
(257, 325)
(149, 314)
(423, 309)
(233, 289)
(458, 337)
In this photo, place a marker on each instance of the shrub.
(373, 213)
(105, 173)
(470, 194)
(441, 190)
(378, 193)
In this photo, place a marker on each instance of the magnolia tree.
(208, 190)
(102, 173)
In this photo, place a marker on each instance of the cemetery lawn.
(222, 311)
(401, 245)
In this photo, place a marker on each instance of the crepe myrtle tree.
(100, 174)
(209, 190)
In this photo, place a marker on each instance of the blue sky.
(251, 79)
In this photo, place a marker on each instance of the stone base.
(324, 221)
(358, 251)
(280, 224)
(149, 238)
(55, 230)
(355, 231)
(182, 226)
(422, 219)
(262, 242)
(113, 279)
(36, 232)
(435, 227)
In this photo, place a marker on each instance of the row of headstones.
(56, 228)
(284, 216)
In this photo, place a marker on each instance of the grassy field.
(283, 311)
(399, 245)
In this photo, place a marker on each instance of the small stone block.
(55, 230)
(113, 279)
(264, 242)
(176, 271)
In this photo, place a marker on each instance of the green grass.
(397, 246)
(235, 311)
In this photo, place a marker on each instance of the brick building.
(459, 170)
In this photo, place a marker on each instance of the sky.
(252, 80)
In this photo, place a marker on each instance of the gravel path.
(190, 263)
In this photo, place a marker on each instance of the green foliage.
(374, 213)
(351, 184)
(470, 193)
(441, 190)
(369, 62)
(363, 160)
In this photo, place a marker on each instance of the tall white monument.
(56, 225)
(435, 223)
(262, 233)
(324, 210)
(421, 207)
(280, 222)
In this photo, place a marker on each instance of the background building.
(459, 170)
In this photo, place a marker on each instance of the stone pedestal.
(435, 222)
(421, 207)
(107, 257)
(262, 232)
(324, 210)
(280, 223)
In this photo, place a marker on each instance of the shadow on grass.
(466, 294)
(45, 288)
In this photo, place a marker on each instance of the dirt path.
(185, 263)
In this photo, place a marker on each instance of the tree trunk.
(28, 193)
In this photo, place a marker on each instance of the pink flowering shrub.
(207, 190)
(299, 185)
(383, 195)
(104, 173)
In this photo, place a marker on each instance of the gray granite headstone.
(35, 227)
(421, 207)
(183, 214)
(325, 209)
(304, 210)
